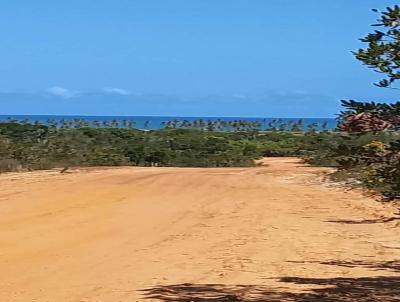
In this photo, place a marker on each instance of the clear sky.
(281, 58)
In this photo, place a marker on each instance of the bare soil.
(277, 232)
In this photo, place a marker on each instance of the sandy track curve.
(110, 234)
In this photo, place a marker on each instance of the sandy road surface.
(273, 233)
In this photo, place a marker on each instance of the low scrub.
(372, 158)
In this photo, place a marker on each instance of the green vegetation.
(365, 148)
(237, 125)
(364, 117)
(382, 53)
(372, 155)
(26, 146)
(372, 158)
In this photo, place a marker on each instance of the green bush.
(372, 158)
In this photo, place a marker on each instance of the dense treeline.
(38, 146)
(28, 146)
(236, 125)
(371, 158)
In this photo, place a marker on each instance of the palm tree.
(325, 126)
(131, 124)
(97, 124)
(312, 127)
(296, 127)
(114, 123)
(105, 124)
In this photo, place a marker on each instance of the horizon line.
(172, 116)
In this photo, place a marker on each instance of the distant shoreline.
(158, 122)
(169, 116)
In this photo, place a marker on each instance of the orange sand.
(108, 234)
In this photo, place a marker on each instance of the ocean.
(158, 122)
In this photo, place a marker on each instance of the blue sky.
(285, 58)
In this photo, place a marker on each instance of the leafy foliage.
(40, 147)
(369, 116)
(375, 161)
(373, 158)
(383, 50)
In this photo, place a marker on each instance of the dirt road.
(273, 233)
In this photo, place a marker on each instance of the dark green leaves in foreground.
(383, 47)
(362, 117)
